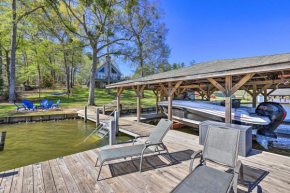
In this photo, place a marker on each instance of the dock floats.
(263, 171)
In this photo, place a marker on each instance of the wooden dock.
(264, 172)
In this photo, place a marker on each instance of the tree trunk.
(109, 72)
(51, 70)
(91, 99)
(71, 70)
(26, 67)
(1, 74)
(71, 77)
(12, 95)
(39, 79)
(7, 66)
(67, 72)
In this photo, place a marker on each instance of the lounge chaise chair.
(155, 140)
(221, 147)
(56, 104)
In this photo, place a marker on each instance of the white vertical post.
(116, 117)
(112, 135)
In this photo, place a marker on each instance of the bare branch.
(29, 12)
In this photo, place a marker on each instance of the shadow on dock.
(149, 163)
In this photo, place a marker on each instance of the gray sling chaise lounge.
(155, 140)
(221, 147)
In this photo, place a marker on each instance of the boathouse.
(256, 75)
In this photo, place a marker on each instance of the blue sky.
(204, 30)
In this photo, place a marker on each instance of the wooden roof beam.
(176, 86)
(217, 85)
(263, 89)
(241, 82)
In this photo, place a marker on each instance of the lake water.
(29, 143)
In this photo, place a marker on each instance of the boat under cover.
(207, 110)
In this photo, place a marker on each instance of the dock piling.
(112, 135)
(86, 113)
(104, 109)
(97, 117)
(2, 140)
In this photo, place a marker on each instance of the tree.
(148, 48)
(89, 20)
(15, 20)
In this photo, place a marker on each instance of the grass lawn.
(77, 100)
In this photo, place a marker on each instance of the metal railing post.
(112, 135)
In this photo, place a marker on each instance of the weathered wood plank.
(69, 181)
(17, 180)
(57, 176)
(38, 185)
(6, 183)
(27, 185)
(83, 179)
(48, 180)
(92, 171)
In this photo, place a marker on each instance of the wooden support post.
(2, 140)
(138, 108)
(112, 135)
(104, 109)
(228, 102)
(86, 113)
(116, 119)
(161, 95)
(169, 98)
(255, 95)
(119, 92)
(97, 117)
(157, 99)
(265, 96)
(138, 92)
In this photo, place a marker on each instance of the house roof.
(112, 64)
(280, 92)
(216, 68)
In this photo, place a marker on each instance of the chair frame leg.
(100, 171)
(170, 157)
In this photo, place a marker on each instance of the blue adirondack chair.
(43, 104)
(19, 106)
(30, 106)
(49, 105)
(56, 104)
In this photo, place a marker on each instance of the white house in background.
(106, 69)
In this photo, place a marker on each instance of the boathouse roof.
(216, 68)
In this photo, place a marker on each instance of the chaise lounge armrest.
(239, 171)
(193, 156)
(138, 137)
